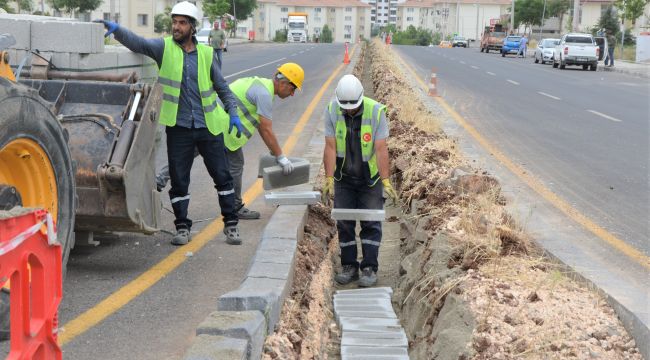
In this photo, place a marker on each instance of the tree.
(162, 23)
(609, 21)
(215, 9)
(281, 35)
(528, 12)
(558, 8)
(4, 4)
(632, 9)
(24, 5)
(326, 35)
(73, 7)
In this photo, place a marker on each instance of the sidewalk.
(628, 67)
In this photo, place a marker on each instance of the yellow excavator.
(81, 146)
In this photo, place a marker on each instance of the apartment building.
(383, 12)
(347, 19)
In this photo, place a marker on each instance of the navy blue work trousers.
(181, 144)
(356, 194)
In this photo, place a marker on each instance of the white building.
(347, 19)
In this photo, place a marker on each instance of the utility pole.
(477, 6)
(542, 25)
(234, 14)
(112, 10)
(512, 16)
(576, 15)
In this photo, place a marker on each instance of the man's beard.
(180, 37)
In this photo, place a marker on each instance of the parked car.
(546, 50)
(459, 41)
(510, 45)
(577, 49)
(445, 44)
(203, 35)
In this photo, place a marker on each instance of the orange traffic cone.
(346, 57)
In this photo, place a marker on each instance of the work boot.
(368, 277)
(247, 214)
(182, 237)
(348, 274)
(232, 235)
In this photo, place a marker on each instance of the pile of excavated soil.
(473, 285)
(303, 329)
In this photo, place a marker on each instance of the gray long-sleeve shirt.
(190, 109)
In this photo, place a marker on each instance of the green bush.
(326, 35)
(413, 36)
(281, 35)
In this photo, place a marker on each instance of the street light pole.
(234, 14)
(542, 26)
(512, 16)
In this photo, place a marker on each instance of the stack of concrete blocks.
(370, 328)
(73, 45)
(273, 178)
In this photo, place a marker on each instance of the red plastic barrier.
(28, 248)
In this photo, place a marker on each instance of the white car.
(546, 50)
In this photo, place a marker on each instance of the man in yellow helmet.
(194, 92)
(254, 97)
(355, 160)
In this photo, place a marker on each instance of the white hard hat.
(186, 8)
(349, 92)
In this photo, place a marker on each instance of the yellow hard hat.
(293, 72)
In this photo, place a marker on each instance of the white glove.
(285, 163)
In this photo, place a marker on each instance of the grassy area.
(629, 53)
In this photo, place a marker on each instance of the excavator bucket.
(111, 129)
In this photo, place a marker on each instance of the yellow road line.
(130, 291)
(537, 186)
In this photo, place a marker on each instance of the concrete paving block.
(373, 350)
(277, 251)
(268, 160)
(366, 314)
(366, 291)
(396, 339)
(19, 28)
(246, 325)
(208, 347)
(64, 36)
(292, 198)
(273, 177)
(359, 324)
(270, 271)
(378, 296)
(358, 214)
(265, 295)
(375, 357)
(286, 223)
(106, 62)
(362, 306)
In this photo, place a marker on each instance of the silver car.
(546, 50)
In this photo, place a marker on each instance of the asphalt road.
(160, 322)
(583, 134)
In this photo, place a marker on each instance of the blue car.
(510, 45)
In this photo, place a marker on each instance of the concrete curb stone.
(208, 347)
(245, 325)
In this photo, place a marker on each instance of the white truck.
(298, 29)
(577, 49)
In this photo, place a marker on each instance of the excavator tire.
(35, 159)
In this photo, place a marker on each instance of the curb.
(247, 315)
(634, 72)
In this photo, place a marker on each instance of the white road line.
(302, 52)
(605, 116)
(253, 68)
(491, 73)
(549, 95)
(462, 62)
(294, 54)
(513, 82)
(474, 67)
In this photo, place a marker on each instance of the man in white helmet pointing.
(357, 172)
(191, 81)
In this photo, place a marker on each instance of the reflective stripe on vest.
(170, 76)
(369, 125)
(247, 111)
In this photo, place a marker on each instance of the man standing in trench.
(356, 159)
(191, 81)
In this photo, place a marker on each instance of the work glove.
(285, 163)
(390, 191)
(235, 122)
(108, 25)
(327, 189)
